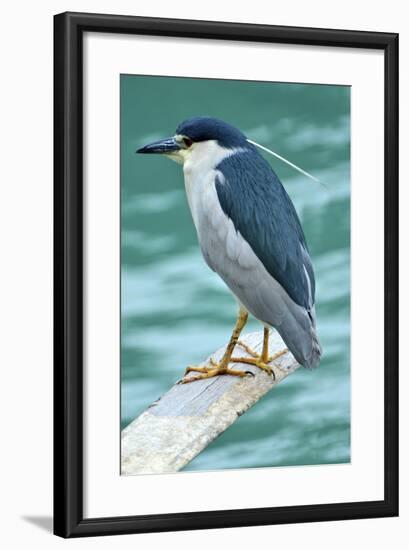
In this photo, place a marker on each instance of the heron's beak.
(164, 146)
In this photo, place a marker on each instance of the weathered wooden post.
(186, 419)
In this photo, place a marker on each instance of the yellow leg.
(221, 368)
(258, 360)
(264, 354)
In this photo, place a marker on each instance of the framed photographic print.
(226, 224)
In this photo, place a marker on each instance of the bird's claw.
(257, 362)
(248, 349)
(215, 369)
(265, 368)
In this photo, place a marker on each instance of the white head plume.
(284, 160)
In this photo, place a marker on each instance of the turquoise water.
(175, 310)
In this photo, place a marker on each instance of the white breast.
(200, 172)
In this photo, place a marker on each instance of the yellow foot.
(209, 372)
(257, 360)
(253, 353)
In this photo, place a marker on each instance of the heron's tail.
(314, 357)
(299, 332)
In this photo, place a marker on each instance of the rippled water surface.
(176, 311)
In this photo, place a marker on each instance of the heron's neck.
(200, 170)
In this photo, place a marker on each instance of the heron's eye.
(188, 142)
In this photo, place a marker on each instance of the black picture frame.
(68, 274)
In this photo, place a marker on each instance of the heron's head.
(197, 134)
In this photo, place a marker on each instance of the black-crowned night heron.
(250, 234)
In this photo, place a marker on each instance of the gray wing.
(252, 196)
